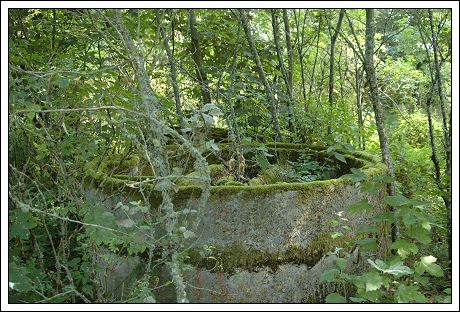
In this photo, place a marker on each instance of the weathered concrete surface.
(272, 220)
(275, 220)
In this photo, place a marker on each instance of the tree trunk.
(378, 112)
(447, 130)
(172, 66)
(290, 70)
(279, 54)
(287, 31)
(312, 79)
(437, 68)
(234, 124)
(359, 105)
(434, 157)
(436, 81)
(198, 59)
(331, 63)
(271, 99)
(300, 52)
(157, 153)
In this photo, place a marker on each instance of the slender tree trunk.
(150, 107)
(172, 66)
(290, 70)
(434, 157)
(446, 128)
(359, 105)
(300, 40)
(312, 79)
(437, 68)
(271, 99)
(449, 188)
(331, 63)
(436, 81)
(234, 123)
(198, 59)
(279, 54)
(378, 112)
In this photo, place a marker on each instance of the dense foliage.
(85, 83)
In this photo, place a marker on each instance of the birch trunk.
(271, 99)
(378, 112)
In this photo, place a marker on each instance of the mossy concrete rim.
(370, 165)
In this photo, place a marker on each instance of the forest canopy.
(199, 96)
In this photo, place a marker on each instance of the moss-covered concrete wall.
(271, 241)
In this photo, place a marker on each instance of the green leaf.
(427, 264)
(396, 268)
(127, 223)
(356, 175)
(426, 225)
(188, 234)
(208, 119)
(384, 217)
(357, 300)
(211, 145)
(340, 157)
(386, 179)
(423, 280)
(397, 200)
(367, 244)
(370, 187)
(336, 234)
(373, 281)
(367, 229)
(335, 298)
(17, 278)
(362, 205)
(87, 289)
(404, 248)
(409, 294)
(341, 263)
(212, 109)
(420, 234)
(329, 275)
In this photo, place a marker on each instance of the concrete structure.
(270, 243)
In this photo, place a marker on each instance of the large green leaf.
(340, 157)
(404, 248)
(356, 175)
(396, 268)
(370, 187)
(397, 200)
(409, 294)
(367, 244)
(384, 217)
(17, 278)
(329, 275)
(373, 281)
(427, 264)
(419, 233)
(341, 263)
(362, 205)
(367, 229)
(335, 298)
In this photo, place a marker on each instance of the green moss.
(255, 181)
(189, 179)
(217, 171)
(234, 183)
(231, 258)
(369, 164)
(228, 180)
(277, 173)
